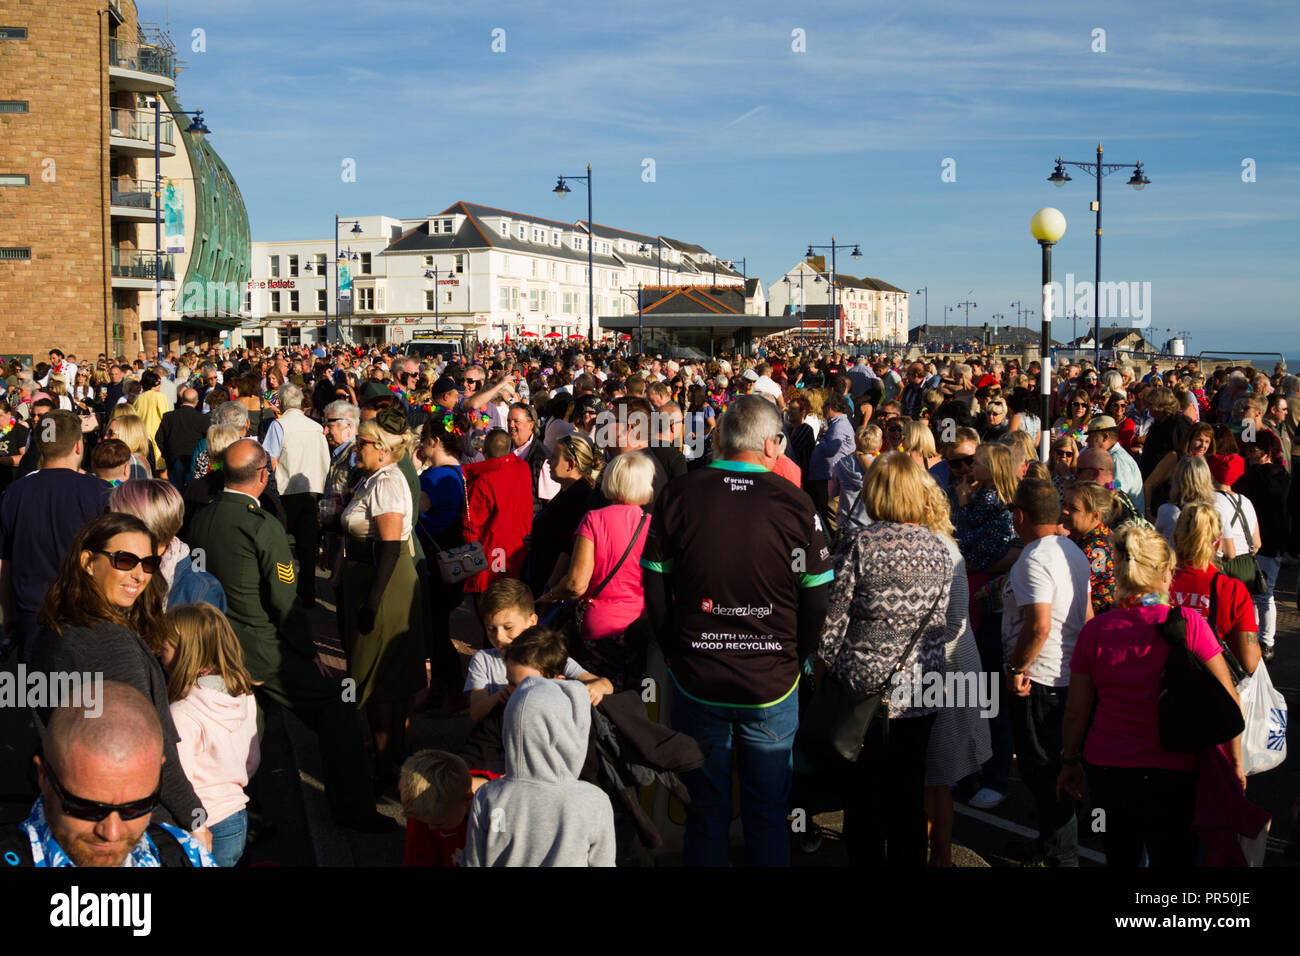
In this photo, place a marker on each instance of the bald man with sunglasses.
(100, 779)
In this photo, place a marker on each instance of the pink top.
(218, 747)
(622, 600)
(1125, 657)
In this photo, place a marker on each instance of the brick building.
(79, 197)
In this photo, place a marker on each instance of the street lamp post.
(857, 254)
(1098, 170)
(563, 190)
(356, 231)
(946, 310)
(1047, 226)
(200, 130)
(925, 290)
(659, 260)
(433, 274)
(802, 303)
(731, 264)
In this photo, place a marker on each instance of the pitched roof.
(693, 300)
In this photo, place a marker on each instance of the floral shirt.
(984, 530)
(1101, 561)
(47, 852)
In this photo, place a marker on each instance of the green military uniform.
(248, 551)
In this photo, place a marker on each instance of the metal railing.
(138, 125)
(136, 193)
(141, 265)
(142, 57)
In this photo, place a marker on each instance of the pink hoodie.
(218, 747)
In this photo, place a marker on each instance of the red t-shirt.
(426, 846)
(788, 469)
(1125, 658)
(1234, 610)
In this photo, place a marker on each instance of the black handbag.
(1196, 711)
(838, 717)
(1244, 567)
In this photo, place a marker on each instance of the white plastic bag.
(1263, 742)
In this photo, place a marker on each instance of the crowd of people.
(765, 528)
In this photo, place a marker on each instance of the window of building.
(503, 298)
(248, 302)
(320, 300)
(554, 268)
(446, 297)
(446, 226)
(522, 230)
(366, 300)
(13, 179)
(505, 227)
(428, 260)
(275, 302)
(275, 267)
(429, 299)
(534, 300)
(505, 265)
(13, 106)
(555, 239)
(320, 263)
(365, 263)
(379, 299)
(293, 266)
(566, 272)
(293, 301)
(534, 264)
(460, 263)
(13, 33)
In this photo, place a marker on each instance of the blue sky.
(759, 150)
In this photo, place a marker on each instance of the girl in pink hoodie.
(216, 716)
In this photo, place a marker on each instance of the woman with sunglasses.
(1063, 460)
(103, 615)
(1077, 414)
(383, 625)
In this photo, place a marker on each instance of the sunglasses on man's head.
(126, 561)
(94, 811)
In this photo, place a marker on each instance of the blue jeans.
(1265, 606)
(228, 838)
(762, 741)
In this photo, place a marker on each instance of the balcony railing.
(138, 125)
(142, 57)
(135, 193)
(142, 265)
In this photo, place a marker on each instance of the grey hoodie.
(540, 813)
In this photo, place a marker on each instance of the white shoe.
(987, 799)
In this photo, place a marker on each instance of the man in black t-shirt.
(39, 516)
(736, 568)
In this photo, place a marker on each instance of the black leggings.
(1145, 807)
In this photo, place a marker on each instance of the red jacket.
(500, 514)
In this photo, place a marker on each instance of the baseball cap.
(749, 375)
(443, 385)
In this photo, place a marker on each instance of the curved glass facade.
(220, 259)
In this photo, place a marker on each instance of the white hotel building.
(497, 272)
(872, 309)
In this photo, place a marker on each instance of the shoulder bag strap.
(925, 622)
(1229, 658)
(1245, 526)
(628, 550)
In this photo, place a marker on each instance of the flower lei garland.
(271, 399)
(405, 396)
